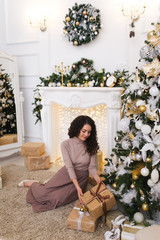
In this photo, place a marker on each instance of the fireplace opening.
(62, 116)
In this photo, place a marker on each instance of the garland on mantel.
(76, 78)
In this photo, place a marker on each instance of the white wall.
(37, 52)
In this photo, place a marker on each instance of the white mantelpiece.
(79, 97)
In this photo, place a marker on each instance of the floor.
(19, 160)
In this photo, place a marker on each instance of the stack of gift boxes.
(96, 202)
(35, 157)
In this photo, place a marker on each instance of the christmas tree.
(7, 105)
(132, 171)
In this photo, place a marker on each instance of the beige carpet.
(17, 220)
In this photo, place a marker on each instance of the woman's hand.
(97, 178)
(80, 193)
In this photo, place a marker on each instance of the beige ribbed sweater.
(75, 157)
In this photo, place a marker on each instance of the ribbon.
(101, 198)
(80, 217)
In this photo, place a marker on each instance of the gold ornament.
(86, 84)
(151, 34)
(83, 209)
(102, 84)
(134, 177)
(148, 159)
(77, 23)
(131, 136)
(84, 12)
(142, 108)
(131, 108)
(141, 192)
(91, 18)
(68, 19)
(133, 153)
(114, 185)
(145, 207)
(69, 84)
(75, 43)
(152, 116)
(132, 185)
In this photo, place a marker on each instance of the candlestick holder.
(61, 69)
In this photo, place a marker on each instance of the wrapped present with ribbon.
(98, 200)
(80, 219)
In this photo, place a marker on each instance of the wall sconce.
(38, 20)
(133, 9)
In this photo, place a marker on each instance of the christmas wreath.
(82, 24)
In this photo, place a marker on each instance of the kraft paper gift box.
(37, 163)
(111, 216)
(81, 220)
(33, 149)
(98, 200)
(8, 139)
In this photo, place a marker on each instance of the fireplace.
(62, 104)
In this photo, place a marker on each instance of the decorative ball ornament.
(114, 185)
(150, 183)
(145, 172)
(111, 81)
(132, 186)
(139, 124)
(151, 34)
(75, 43)
(142, 108)
(138, 157)
(82, 24)
(155, 175)
(145, 207)
(154, 91)
(148, 159)
(69, 84)
(138, 217)
(135, 177)
(146, 129)
(102, 84)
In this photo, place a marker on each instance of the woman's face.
(85, 132)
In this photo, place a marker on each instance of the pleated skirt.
(58, 191)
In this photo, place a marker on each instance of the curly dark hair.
(75, 128)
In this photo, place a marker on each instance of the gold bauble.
(135, 177)
(77, 23)
(148, 159)
(84, 12)
(145, 207)
(132, 185)
(151, 34)
(69, 84)
(68, 19)
(114, 185)
(142, 108)
(75, 43)
(102, 84)
(86, 84)
(131, 136)
(133, 153)
(91, 18)
(83, 209)
(152, 116)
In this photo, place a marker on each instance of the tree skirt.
(19, 222)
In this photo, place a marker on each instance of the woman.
(69, 183)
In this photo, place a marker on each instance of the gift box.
(98, 200)
(92, 181)
(129, 231)
(99, 161)
(37, 163)
(33, 149)
(111, 216)
(8, 139)
(81, 220)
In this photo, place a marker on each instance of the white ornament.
(139, 124)
(146, 129)
(78, 84)
(139, 92)
(86, 77)
(91, 83)
(124, 124)
(138, 157)
(125, 144)
(138, 217)
(145, 172)
(154, 91)
(150, 183)
(155, 176)
(140, 102)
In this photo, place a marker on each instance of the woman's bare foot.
(26, 183)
